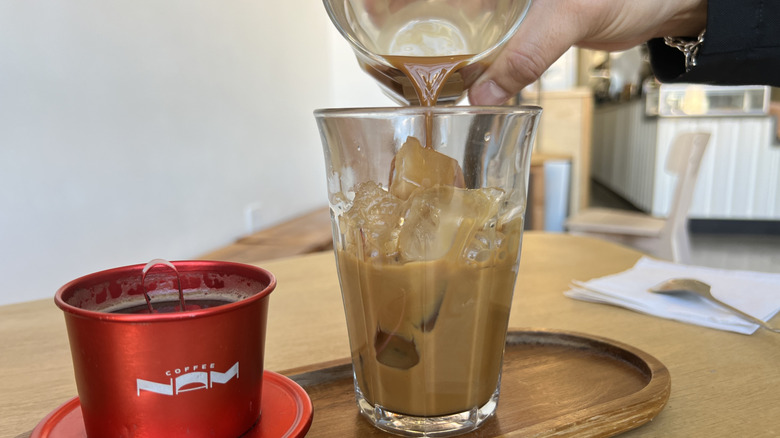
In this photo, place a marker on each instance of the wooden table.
(723, 384)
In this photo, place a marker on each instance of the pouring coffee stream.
(428, 76)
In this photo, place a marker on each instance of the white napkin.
(755, 293)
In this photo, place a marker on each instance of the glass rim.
(422, 110)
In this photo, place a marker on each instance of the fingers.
(546, 33)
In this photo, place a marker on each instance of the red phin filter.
(146, 366)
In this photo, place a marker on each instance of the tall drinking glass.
(428, 207)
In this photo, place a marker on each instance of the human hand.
(553, 26)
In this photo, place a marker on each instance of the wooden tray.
(554, 383)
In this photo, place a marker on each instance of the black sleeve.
(741, 47)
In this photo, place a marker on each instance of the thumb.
(542, 38)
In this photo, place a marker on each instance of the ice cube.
(406, 298)
(371, 225)
(416, 167)
(478, 250)
(486, 248)
(395, 350)
(443, 220)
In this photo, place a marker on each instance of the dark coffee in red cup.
(162, 352)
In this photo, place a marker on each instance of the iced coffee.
(427, 272)
(428, 207)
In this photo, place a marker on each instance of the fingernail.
(488, 93)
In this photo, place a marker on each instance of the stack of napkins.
(755, 293)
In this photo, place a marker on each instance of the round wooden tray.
(553, 383)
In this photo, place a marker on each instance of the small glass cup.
(379, 30)
(427, 241)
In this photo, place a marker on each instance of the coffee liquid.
(427, 284)
(170, 306)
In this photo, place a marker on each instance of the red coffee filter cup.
(161, 369)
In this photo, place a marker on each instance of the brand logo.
(190, 378)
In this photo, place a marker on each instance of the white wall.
(144, 129)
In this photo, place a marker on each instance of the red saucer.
(285, 405)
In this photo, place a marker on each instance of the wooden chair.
(666, 238)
